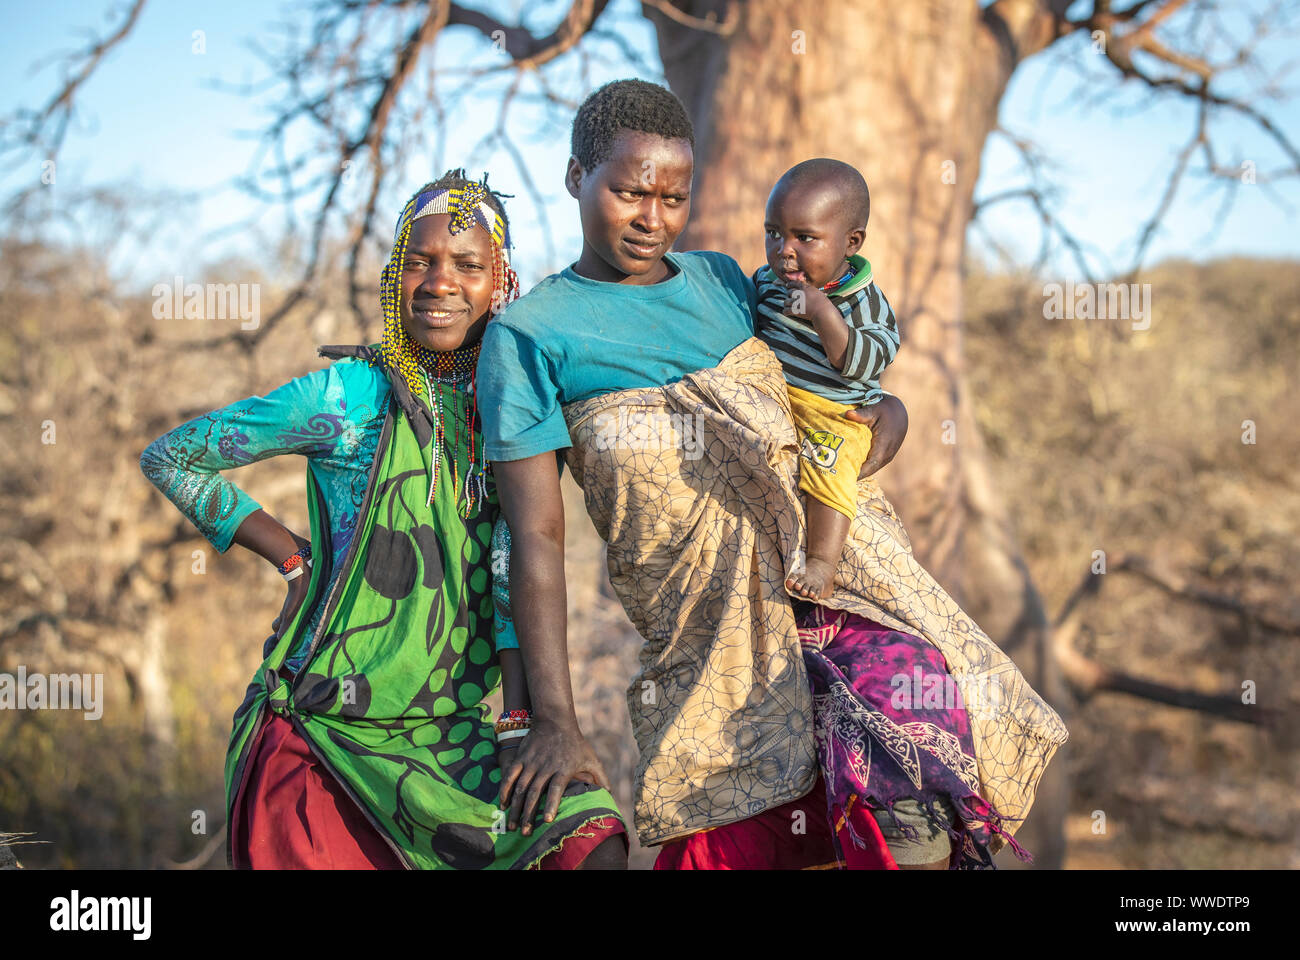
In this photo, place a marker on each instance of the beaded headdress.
(426, 371)
(467, 206)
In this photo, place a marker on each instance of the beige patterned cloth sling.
(694, 487)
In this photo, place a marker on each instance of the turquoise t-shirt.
(571, 338)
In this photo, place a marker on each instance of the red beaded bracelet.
(292, 566)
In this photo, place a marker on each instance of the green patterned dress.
(392, 653)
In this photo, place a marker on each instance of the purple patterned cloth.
(891, 724)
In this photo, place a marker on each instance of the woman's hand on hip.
(887, 419)
(293, 599)
(296, 592)
(547, 759)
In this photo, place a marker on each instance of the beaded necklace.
(835, 284)
(451, 369)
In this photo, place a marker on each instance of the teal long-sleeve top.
(332, 417)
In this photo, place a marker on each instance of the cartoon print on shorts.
(822, 447)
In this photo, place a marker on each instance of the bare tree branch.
(1171, 187)
(1181, 586)
(327, 75)
(58, 111)
(708, 23)
(1038, 194)
(526, 51)
(1137, 51)
(1167, 46)
(1087, 677)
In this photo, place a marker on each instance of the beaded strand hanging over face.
(415, 363)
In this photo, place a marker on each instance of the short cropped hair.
(626, 105)
(835, 175)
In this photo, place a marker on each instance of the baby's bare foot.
(816, 582)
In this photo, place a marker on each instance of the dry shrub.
(1130, 442)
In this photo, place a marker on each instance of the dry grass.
(1107, 438)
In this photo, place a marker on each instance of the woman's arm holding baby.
(887, 418)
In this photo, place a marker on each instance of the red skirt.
(794, 836)
(292, 814)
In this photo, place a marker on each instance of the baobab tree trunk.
(907, 92)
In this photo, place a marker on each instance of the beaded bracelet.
(513, 720)
(292, 567)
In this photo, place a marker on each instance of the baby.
(834, 333)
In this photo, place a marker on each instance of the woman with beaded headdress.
(364, 740)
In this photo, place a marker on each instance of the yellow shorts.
(833, 450)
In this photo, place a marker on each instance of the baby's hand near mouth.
(805, 301)
(810, 305)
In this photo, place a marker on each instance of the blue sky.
(149, 118)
